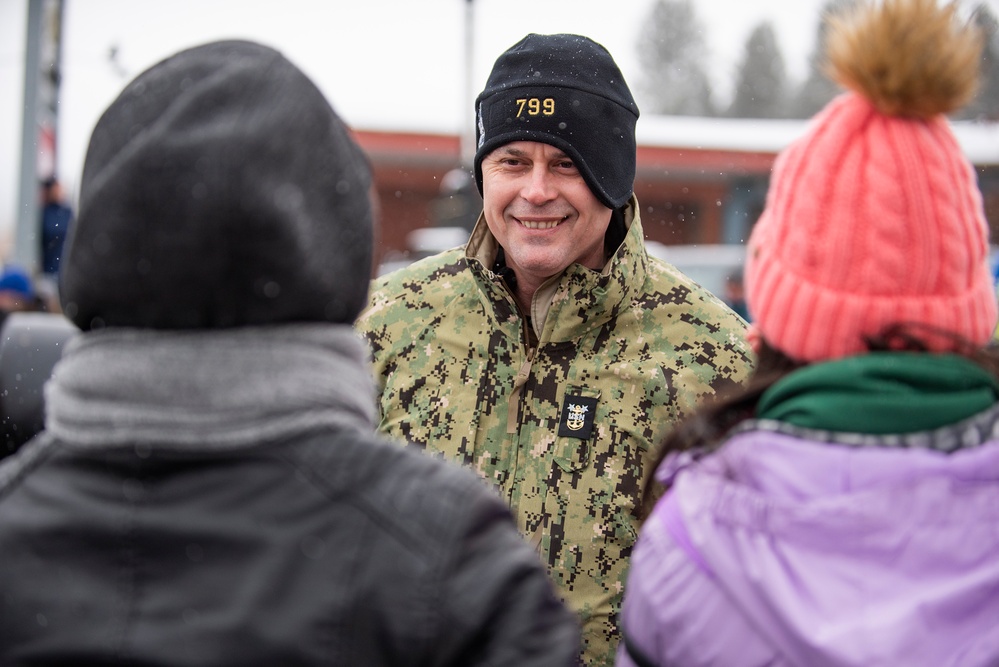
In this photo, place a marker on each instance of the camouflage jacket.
(565, 428)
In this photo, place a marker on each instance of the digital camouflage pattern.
(565, 429)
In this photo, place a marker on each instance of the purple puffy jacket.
(780, 549)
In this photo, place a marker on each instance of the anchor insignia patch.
(577, 417)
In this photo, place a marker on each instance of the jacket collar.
(209, 389)
(881, 392)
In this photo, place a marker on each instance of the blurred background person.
(57, 218)
(17, 292)
(735, 294)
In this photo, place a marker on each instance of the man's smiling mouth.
(543, 224)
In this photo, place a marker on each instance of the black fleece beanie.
(220, 189)
(566, 91)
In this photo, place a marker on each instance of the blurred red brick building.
(698, 180)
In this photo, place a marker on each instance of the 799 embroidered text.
(534, 106)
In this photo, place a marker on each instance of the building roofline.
(662, 140)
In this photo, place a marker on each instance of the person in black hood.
(208, 488)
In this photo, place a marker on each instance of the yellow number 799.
(535, 106)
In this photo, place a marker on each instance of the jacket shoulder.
(419, 499)
(423, 286)
(664, 279)
(493, 601)
(423, 272)
(674, 610)
(692, 328)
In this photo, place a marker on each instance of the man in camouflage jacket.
(555, 381)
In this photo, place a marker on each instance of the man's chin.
(540, 268)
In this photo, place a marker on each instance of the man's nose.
(540, 186)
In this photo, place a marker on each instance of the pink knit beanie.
(874, 216)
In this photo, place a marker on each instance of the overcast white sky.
(387, 64)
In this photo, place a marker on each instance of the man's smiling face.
(541, 211)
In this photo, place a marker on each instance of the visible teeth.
(531, 224)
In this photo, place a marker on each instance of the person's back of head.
(220, 189)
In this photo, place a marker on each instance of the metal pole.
(39, 124)
(26, 250)
(468, 98)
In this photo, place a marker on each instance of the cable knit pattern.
(874, 217)
(871, 220)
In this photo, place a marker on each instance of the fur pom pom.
(910, 58)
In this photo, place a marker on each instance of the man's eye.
(567, 164)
